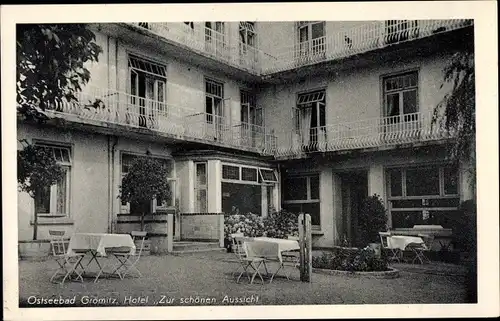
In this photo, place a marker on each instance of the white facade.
(181, 94)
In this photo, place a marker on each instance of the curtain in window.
(306, 125)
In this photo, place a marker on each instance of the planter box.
(38, 250)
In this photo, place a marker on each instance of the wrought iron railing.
(370, 36)
(98, 106)
(368, 133)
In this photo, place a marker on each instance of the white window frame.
(125, 208)
(66, 166)
(198, 187)
(305, 47)
(258, 181)
(248, 28)
(308, 199)
(442, 195)
(400, 92)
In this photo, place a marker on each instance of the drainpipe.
(111, 181)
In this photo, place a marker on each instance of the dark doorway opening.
(354, 189)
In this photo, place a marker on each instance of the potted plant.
(372, 219)
(37, 170)
(147, 179)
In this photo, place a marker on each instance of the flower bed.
(277, 224)
(351, 260)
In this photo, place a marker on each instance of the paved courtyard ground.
(176, 279)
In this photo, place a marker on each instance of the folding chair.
(269, 252)
(240, 249)
(420, 248)
(126, 260)
(255, 257)
(396, 253)
(67, 262)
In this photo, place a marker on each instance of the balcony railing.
(208, 41)
(360, 39)
(369, 133)
(367, 37)
(101, 107)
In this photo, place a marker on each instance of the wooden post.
(170, 232)
(305, 241)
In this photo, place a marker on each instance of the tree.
(458, 106)
(372, 219)
(147, 179)
(37, 170)
(51, 65)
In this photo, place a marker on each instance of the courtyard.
(207, 279)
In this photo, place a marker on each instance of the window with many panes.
(310, 117)
(247, 35)
(148, 90)
(54, 200)
(214, 100)
(200, 188)
(311, 37)
(155, 204)
(424, 195)
(401, 95)
(243, 188)
(301, 194)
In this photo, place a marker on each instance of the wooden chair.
(67, 262)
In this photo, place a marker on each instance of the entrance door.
(354, 189)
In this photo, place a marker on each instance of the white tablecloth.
(99, 242)
(401, 241)
(284, 244)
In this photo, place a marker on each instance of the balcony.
(105, 108)
(208, 42)
(369, 133)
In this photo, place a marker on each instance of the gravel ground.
(209, 275)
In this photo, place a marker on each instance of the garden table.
(284, 244)
(402, 241)
(97, 243)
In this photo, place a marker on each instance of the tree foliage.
(146, 180)
(37, 169)
(51, 65)
(372, 219)
(458, 106)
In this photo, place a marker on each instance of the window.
(310, 118)
(400, 96)
(153, 205)
(247, 33)
(190, 24)
(54, 200)
(148, 89)
(301, 194)
(244, 190)
(215, 42)
(268, 176)
(230, 172)
(214, 97)
(201, 187)
(252, 134)
(249, 174)
(311, 38)
(422, 195)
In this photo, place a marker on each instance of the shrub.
(372, 219)
(277, 224)
(350, 259)
(249, 224)
(281, 224)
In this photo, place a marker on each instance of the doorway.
(354, 189)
